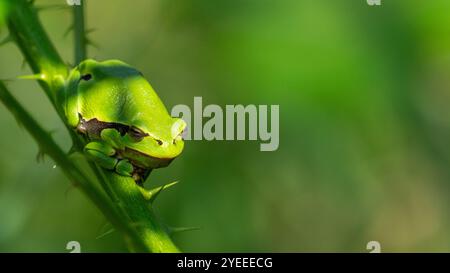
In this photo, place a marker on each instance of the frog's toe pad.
(125, 168)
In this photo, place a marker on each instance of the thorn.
(40, 157)
(24, 63)
(91, 43)
(52, 132)
(72, 150)
(90, 30)
(153, 193)
(69, 29)
(105, 233)
(51, 7)
(6, 81)
(173, 230)
(19, 123)
(105, 226)
(32, 77)
(138, 224)
(6, 40)
(71, 187)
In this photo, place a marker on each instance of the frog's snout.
(175, 137)
(177, 130)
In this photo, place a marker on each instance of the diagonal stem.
(124, 206)
(49, 147)
(28, 33)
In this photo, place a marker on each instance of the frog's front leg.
(104, 155)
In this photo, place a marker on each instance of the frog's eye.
(86, 77)
(137, 133)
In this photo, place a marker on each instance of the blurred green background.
(364, 126)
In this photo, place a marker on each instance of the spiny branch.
(124, 205)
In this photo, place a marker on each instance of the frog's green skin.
(126, 125)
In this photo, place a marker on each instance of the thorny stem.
(49, 147)
(29, 35)
(79, 31)
(124, 205)
(148, 226)
(80, 54)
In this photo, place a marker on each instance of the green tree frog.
(123, 121)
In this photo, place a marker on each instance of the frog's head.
(156, 148)
(114, 95)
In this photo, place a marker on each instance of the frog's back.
(119, 93)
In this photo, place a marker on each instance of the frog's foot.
(104, 155)
(140, 175)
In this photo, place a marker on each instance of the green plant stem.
(26, 30)
(125, 208)
(49, 147)
(121, 189)
(79, 31)
(141, 214)
(80, 54)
